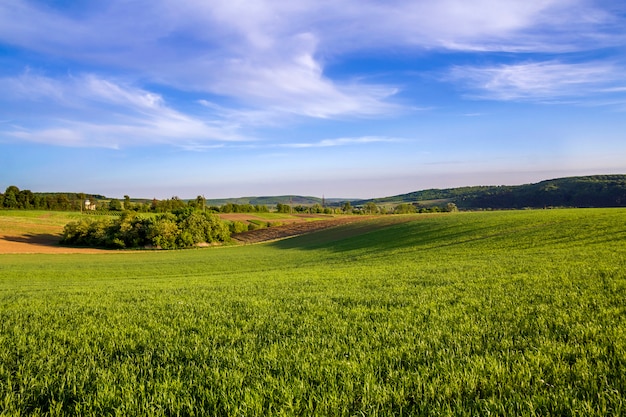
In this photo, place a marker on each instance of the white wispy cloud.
(327, 143)
(32, 86)
(62, 136)
(248, 54)
(271, 54)
(540, 81)
(513, 26)
(228, 26)
(91, 111)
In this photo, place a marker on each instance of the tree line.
(14, 198)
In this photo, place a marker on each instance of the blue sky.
(348, 98)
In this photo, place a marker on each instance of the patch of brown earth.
(292, 229)
(244, 217)
(39, 243)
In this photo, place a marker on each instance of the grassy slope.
(507, 313)
(34, 221)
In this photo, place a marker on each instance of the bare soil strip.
(293, 229)
(40, 244)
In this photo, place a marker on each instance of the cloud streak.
(329, 143)
(91, 111)
(541, 81)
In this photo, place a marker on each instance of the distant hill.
(588, 191)
(295, 200)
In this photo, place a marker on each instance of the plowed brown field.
(292, 229)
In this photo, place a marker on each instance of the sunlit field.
(490, 313)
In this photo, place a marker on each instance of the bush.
(237, 227)
(404, 208)
(164, 232)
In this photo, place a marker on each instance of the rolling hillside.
(274, 200)
(589, 191)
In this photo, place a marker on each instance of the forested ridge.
(587, 191)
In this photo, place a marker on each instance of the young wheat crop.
(500, 313)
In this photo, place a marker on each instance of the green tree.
(194, 228)
(346, 207)
(283, 208)
(228, 208)
(201, 203)
(10, 197)
(132, 230)
(404, 208)
(237, 227)
(63, 202)
(82, 197)
(316, 208)
(164, 232)
(216, 230)
(75, 233)
(25, 199)
(115, 205)
(370, 208)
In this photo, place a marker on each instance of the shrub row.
(180, 229)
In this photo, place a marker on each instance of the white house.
(89, 205)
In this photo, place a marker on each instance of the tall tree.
(115, 205)
(10, 197)
(370, 207)
(201, 203)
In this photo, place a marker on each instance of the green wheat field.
(512, 313)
